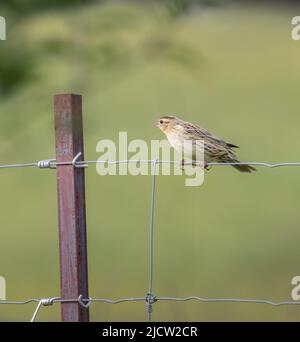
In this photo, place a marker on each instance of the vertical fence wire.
(149, 297)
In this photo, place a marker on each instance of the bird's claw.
(182, 164)
(202, 165)
(207, 167)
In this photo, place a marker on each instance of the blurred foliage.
(176, 7)
(179, 7)
(16, 66)
(30, 6)
(18, 60)
(107, 41)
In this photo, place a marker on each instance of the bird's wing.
(195, 132)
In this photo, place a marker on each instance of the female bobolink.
(215, 149)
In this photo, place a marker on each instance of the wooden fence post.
(71, 206)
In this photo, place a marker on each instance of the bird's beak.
(157, 125)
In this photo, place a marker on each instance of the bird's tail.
(244, 168)
(231, 158)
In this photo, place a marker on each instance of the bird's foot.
(207, 167)
(182, 164)
(202, 165)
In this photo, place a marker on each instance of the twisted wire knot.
(77, 163)
(150, 300)
(88, 301)
(48, 301)
(46, 164)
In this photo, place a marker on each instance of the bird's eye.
(161, 121)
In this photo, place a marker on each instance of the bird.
(215, 149)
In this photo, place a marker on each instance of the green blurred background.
(229, 66)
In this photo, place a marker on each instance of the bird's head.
(166, 123)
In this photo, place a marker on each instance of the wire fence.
(86, 302)
(150, 297)
(52, 163)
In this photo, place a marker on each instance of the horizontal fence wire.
(150, 298)
(87, 302)
(51, 163)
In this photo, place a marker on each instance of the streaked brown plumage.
(215, 149)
